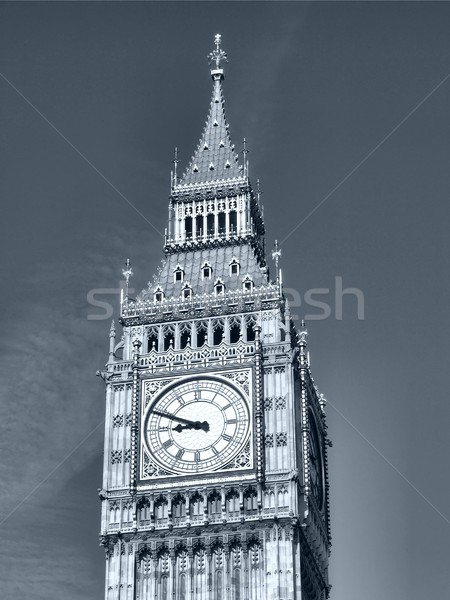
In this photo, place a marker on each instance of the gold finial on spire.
(218, 54)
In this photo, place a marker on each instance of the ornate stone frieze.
(275, 403)
(137, 312)
(240, 378)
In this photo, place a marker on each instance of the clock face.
(315, 463)
(197, 426)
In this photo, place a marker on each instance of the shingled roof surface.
(218, 259)
(214, 158)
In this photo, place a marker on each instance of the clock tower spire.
(215, 468)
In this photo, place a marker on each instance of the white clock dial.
(197, 426)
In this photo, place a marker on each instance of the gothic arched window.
(250, 329)
(250, 501)
(143, 510)
(152, 339)
(185, 335)
(202, 334)
(161, 510)
(232, 501)
(214, 504)
(196, 507)
(179, 507)
(115, 512)
(169, 337)
(218, 332)
(235, 330)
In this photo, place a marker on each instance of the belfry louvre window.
(233, 221)
(188, 226)
(199, 225)
(221, 223)
(210, 224)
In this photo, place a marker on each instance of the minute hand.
(195, 424)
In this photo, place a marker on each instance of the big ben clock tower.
(215, 465)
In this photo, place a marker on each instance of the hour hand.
(189, 423)
(192, 425)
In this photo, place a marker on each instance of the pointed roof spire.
(215, 147)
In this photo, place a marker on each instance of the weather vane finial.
(218, 54)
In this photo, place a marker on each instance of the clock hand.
(196, 425)
(192, 424)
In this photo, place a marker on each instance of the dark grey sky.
(314, 88)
